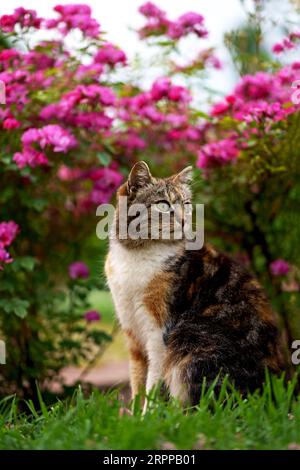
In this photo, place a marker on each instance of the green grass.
(269, 420)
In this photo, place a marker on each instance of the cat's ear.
(139, 176)
(185, 176)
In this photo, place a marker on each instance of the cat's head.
(156, 208)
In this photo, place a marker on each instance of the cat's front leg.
(138, 364)
(156, 352)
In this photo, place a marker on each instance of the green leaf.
(202, 114)
(6, 194)
(17, 306)
(20, 311)
(36, 204)
(99, 336)
(70, 344)
(7, 286)
(6, 159)
(27, 262)
(104, 158)
(166, 43)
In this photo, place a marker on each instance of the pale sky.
(118, 16)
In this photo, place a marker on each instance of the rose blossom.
(8, 231)
(78, 269)
(110, 54)
(92, 316)
(279, 267)
(11, 123)
(217, 153)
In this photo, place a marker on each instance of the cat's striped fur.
(187, 314)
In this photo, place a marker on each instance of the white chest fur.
(129, 273)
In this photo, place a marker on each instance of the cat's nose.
(179, 216)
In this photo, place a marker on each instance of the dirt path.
(109, 375)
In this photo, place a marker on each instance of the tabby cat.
(187, 314)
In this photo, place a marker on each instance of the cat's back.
(219, 316)
(207, 282)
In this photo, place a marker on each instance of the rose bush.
(70, 130)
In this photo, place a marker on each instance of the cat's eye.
(163, 206)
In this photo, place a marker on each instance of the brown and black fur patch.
(157, 295)
(219, 322)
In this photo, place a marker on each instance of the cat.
(187, 314)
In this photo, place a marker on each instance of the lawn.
(269, 420)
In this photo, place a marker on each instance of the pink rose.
(78, 270)
(11, 123)
(92, 316)
(279, 267)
